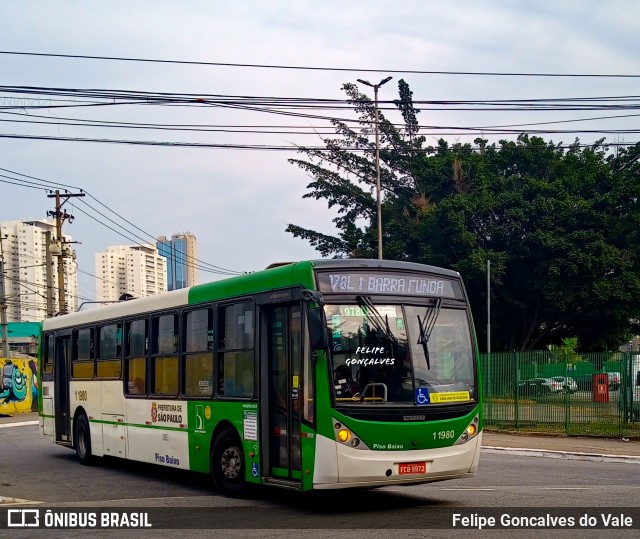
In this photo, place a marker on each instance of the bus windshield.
(400, 354)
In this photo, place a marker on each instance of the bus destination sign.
(399, 284)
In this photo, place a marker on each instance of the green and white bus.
(309, 375)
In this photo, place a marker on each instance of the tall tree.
(559, 224)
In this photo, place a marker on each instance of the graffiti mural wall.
(18, 386)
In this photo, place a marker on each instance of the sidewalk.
(534, 445)
(18, 418)
(559, 446)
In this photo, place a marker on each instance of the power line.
(204, 266)
(317, 130)
(108, 96)
(279, 104)
(49, 182)
(263, 147)
(152, 143)
(137, 238)
(437, 130)
(109, 282)
(319, 68)
(239, 102)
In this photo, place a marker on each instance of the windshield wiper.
(382, 324)
(426, 327)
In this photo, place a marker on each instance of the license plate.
(409, 468)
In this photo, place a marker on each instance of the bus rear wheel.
(82, 441)
(228, 464)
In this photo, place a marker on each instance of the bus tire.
(82, 441)
(228, 464)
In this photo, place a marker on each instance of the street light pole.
(378, 204)
(488, 306)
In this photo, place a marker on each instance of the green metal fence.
(545, 392)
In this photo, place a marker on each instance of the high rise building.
(137, 270)
(26, 285)
(180, 252)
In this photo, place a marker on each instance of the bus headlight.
(470, 432)
(347, 437)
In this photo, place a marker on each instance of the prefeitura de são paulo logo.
(154, 412)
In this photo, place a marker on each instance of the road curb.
(568, 455)
(18, 424)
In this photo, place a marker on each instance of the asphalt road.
(34, 470)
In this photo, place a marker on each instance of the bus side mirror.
(317, 332)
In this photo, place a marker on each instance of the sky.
(238, 202)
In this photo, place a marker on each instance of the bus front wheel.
(227, 464)
(82, 441)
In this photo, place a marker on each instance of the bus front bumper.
(341, 466)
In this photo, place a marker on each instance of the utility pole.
(378, 204)
(3, 304)
(49, 270)
(61, 216)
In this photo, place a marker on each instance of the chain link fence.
(595, 394)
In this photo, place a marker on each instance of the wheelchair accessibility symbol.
(422, 395)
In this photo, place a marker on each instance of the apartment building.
(180, 253)
(27, 282)
(137, 270)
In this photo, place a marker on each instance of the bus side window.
(49, 355)
(136, 354)
(198, 353)
(108, 357)
(165, 354)
(236, 373)
(82, 365)
(308, 385)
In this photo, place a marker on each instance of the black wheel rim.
(230, 463)
(82, 441)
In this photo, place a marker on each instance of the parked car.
(614, 380)
(536, 387)
(568, 384)
(584, 383)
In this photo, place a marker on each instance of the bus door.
(61, 402)
(281, 337)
